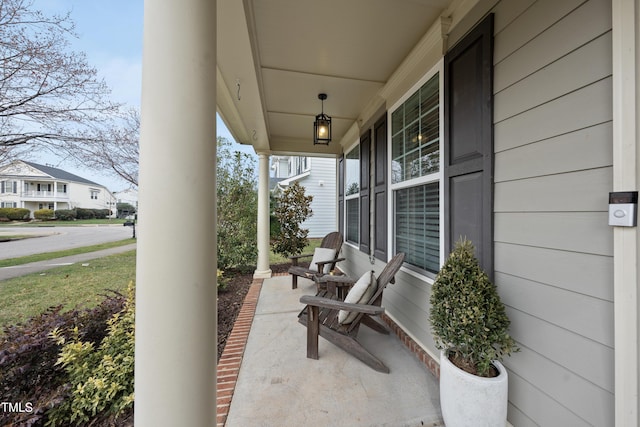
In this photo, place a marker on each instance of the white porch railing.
(44, 194)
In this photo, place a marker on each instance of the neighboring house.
(318, 176)
(33, 186)
(130, 196)
(509, 122)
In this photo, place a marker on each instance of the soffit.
(284, 52)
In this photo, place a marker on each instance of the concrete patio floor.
(278, 386)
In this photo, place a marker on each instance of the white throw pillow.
(360, 293)
(322, 254)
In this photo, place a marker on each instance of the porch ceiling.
(276, 56)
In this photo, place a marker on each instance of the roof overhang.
(275, 56)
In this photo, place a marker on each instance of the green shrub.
(101, 213)
(237, 208)
(28, 355)
(292, 208)
(4, 212)
(221, 281)
(82, 213)
(43, 214)
(467, 315)
(15, 214)
(65, 214)
(125, 209)
(20, 214)
(100, 379)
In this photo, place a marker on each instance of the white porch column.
(262, 270)
(626, 135)
(175, 365)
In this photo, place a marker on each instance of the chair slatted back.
(387, 275)
(333, 241)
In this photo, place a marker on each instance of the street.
(58, 238)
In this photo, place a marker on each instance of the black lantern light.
(322, 125)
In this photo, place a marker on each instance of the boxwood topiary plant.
(467, 315)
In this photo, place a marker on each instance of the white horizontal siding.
(584, 315)
(573, 271)
(556, 79)
(582, 149)
(586, 190)
(321, 184)
(575, 396)
(582, 232)
(584, 108)
(553, 247)
(543, 34)
(531, 400)
(566, 348)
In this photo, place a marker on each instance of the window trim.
(354, 196)
(9, 186)
(415, 271)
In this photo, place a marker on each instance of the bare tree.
(110, 146)
(48, 93)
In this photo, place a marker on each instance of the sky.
(110, 34)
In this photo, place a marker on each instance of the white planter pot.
(469, 400)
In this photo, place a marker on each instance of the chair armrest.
(294, 258)
(340, 305)
(321, 264)
(336, 279)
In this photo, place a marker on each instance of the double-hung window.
(352, 195)
(9, 187)
(416, 137)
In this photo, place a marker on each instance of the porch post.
(262, 269)
(626, 134)
(175, 354)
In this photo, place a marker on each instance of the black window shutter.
(468, 143)
(341, 195)
(365, 231)
(380, 189)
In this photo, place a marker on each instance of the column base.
(262, 274)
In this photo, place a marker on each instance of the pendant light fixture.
(322, 125)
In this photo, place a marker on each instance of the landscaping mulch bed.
(231, 298)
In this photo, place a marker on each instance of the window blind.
(353, 220)
(417, 225)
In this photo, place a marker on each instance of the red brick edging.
(429, 362)
(231, 359)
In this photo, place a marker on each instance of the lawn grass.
(73, 285)
(76, 285)
(59, 254)
(279, 259)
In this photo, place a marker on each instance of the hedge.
(82, 213)
(43, 214)
(15, 214)
(65, 214)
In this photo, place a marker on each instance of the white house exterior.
(318, 176)
(529, 121)
(33, 186)
(130, 196)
